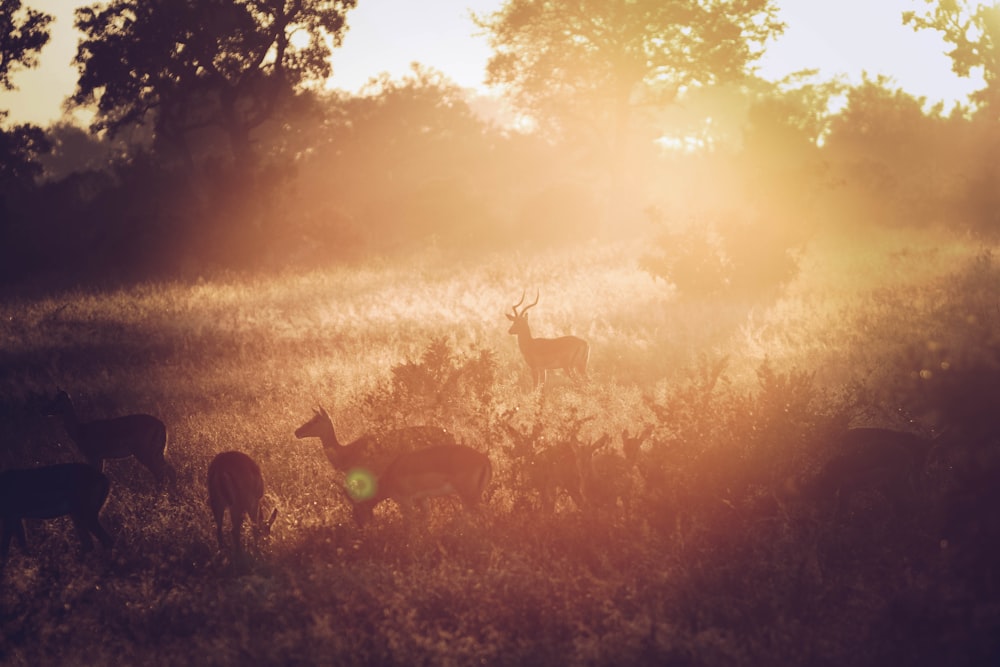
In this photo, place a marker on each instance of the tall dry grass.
(706, 560)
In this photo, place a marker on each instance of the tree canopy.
(566, 59)
(973, 31)
(23, 33)
(22, 36)
(186, 65)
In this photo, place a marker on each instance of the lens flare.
(360, 484)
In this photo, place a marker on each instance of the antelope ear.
(509, 317)
(322, 411)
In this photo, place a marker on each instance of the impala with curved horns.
(52, 491)
(235, 482)
(569, 353)
(374, 452)
(415, 476)
(141, 436)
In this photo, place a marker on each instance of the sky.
(842, 37)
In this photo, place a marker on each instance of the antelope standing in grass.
(141, 436)
(608, 477)
(548, 469)
(374, 452)
(564, 465)
(415, 476)
(235, 483)
(569, 353)
(76, 489)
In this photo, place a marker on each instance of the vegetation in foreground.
(697, 536)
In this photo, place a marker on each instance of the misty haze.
(634, 354)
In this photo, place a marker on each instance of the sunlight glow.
(360, 484)
(300, 39)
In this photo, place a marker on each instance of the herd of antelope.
(408, 465)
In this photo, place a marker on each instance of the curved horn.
(530, 305)
(519, 303)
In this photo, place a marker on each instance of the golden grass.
(238, 363)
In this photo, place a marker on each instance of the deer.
(568, 353)
(235, 483)
(374, 452)
(138, 435)
(632, 445)
(607, 477)
(74, 489)
(546, 469)
(415, 476)
(593, 467)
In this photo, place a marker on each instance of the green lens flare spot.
(360, 484)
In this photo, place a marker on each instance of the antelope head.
(519, 320)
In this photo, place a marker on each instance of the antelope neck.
(329, 438)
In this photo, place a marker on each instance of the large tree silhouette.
(185, 65)
(23, 33)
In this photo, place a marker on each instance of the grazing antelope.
(607, 477)
(425, 473)
(235, 482)
(553, 469)
(541, 354)
(76, 489)
(141, 436)
(374, 452)
(546, 469)
(889, 463)
(632, 444)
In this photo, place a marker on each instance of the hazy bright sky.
(837, 36)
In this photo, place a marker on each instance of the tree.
(585, 65)
(20, 39)
(973, 30)
(186, 65)
(404, 162)
(22, 36)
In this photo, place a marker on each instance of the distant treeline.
(418, 163)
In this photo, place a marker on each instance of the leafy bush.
(736, 258)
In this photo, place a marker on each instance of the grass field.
(703, 553)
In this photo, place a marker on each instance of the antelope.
(141, 436)
(413, 477)
(632, 444)
(541, 354)
(890, 463)
(609, 477)
(548, 470)
(371, 451)
(76, 489)
(553, 469)
(235, 482)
